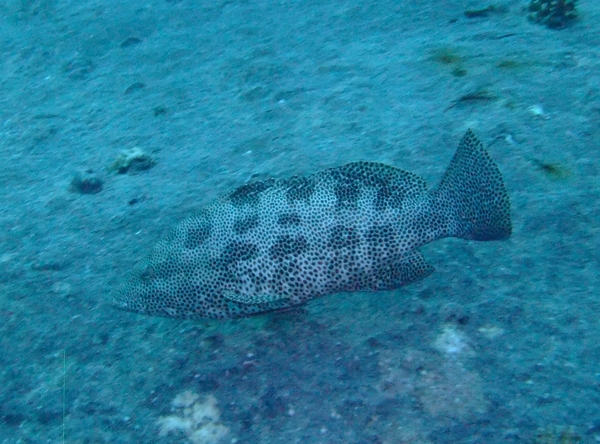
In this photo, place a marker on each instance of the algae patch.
(552, 170)
(450, 58)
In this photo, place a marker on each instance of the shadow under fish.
(277, 244)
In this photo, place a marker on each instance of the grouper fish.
(277, 244)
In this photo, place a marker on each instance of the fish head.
(170, 282)
(145, 291)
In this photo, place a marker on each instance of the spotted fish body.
(277, 244)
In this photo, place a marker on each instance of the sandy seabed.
(500, 344)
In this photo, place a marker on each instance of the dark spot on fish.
(389, 183)
(256, 278)
(363, 173)
(380, 235)
(289, 219)
(386, 198)
(166, 269)
(348, 264)
(346, 188)
(249, 194)
(288, 245)
(158, 297)
(246, 224)
(239, 251)
(197, 235)
(186, 295)
(298, 188)
(286, 275)
(343, 237)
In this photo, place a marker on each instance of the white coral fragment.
(452, 342)
(198, 419)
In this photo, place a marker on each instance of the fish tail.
(473, 195)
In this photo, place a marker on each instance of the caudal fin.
(473, 195)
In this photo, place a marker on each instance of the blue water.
(499, 345)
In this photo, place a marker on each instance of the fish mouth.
(133, 303)
(120, 304)
(127, 300)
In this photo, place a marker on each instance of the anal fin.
(414, 268)
(403, 271)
